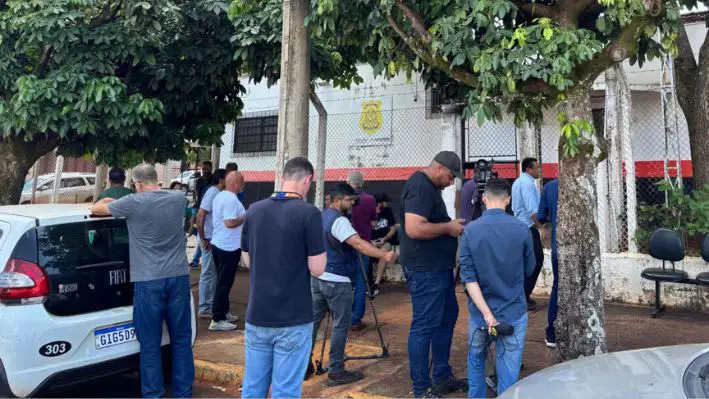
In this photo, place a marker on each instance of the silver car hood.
(642, 373)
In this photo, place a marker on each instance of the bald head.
(234, 182)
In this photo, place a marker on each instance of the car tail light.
(23, 283)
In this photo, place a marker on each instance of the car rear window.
(87, 264)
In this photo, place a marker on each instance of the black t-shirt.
(201, 186)
(280, 235)
(421, 197)
(385, 221)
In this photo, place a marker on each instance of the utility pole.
(293, 107)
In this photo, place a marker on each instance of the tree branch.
(686, 71)
(434, 60)
(43, 60)
(416, 21)
(106, 15)
(535, 9)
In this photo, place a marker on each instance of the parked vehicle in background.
(187, 178)
(66, 300)
(680, 371)
(75, 188)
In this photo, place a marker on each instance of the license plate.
(115, 335)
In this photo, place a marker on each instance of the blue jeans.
(207, 283)
(276, 357)
(335, 298)
(197, 253)
(435, 312)
(553, 301)
(359, 305)
(508, 356)
(154, 302)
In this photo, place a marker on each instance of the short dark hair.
(117, 175)
(381, 197)
(231, 166)
(218, 175)
(298, 168)
(207, 163)
(341, 190)
(528, 163)
(497, 188)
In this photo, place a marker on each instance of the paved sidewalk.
(627, 328)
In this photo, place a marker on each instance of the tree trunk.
(579, 327)
(18, 156)
(692, 85)
(293, 107)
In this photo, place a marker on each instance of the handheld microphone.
(503, 329)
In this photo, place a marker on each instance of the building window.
(436, 98)
(255, 134)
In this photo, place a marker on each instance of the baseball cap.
(450, 160)
(117, 175)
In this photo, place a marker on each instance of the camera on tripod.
(482, 172)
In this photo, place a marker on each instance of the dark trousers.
(553, 301)
(435, 312)
(531, 281)
(227, 262)
(337, 299)
(154, 302)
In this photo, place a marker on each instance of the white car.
(75, 188)
(66, 314)
(680, 371)
(187, 179)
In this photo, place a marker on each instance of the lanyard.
(281, 195)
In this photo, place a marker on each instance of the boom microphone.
(504, 329)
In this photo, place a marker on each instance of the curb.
(224, 373)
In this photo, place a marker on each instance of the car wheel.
(173, 185)
(25, 203)
(89, 200)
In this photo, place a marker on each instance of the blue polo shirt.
(525, 199)
(547, 205)
(497, 252)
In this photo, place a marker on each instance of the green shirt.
(115, 193)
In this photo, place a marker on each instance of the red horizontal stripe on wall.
(643, 169)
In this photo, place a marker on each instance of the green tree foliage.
(113, 77)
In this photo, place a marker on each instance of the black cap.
(117, 175)
(450, 160)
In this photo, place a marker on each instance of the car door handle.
(101, 265)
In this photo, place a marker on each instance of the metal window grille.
(255, 134)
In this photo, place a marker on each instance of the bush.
(685, 212)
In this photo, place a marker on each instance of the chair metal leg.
(659, 307)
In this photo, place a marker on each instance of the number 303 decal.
(56, 348)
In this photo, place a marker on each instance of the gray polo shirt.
(155, 233)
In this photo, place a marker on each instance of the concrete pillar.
(626, 138)
(529, 142)
(58, 169)
(322, 146)
(129, 177)
(293, 108)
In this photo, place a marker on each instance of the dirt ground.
(627, 327)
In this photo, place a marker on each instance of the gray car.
(666, 372)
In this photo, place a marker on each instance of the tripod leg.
(320, 370)
(385, 350)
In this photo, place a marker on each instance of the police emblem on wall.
(374, 124)
(371, 120)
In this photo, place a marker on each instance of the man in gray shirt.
(158, 267)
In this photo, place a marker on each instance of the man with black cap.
(117, 179)
(428, 254)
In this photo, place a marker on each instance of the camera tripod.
(319, 369)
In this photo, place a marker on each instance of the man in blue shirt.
(496, 255)
(547, 214)
(525, 203)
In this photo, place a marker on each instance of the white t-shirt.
(342, 230)
(226, 206)
(206, 204)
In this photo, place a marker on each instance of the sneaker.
(231, 318)
(204, 315)
(428, 393)
(310, 371)
(450, 385)
(550, 343)
(221, 326)
(343, 377)
(374, 290)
